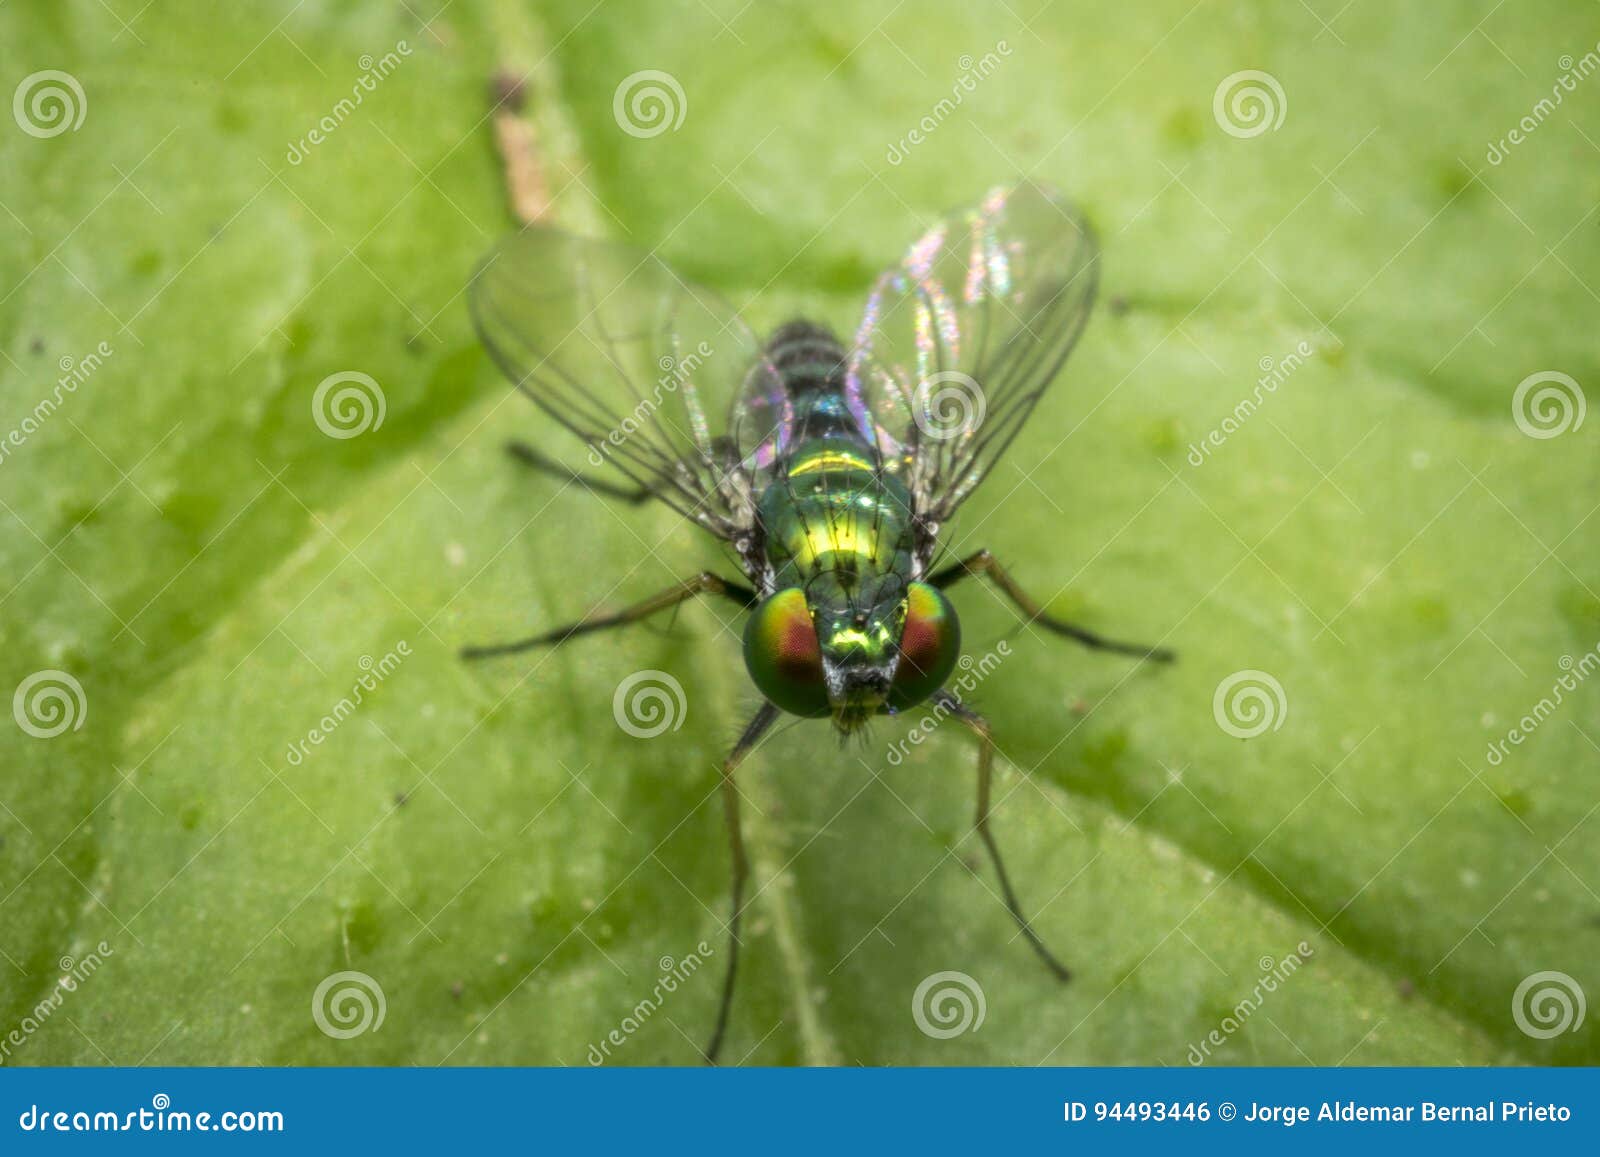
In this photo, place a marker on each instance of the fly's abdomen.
(806, 353)
(811, 363)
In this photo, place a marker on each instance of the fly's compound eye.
(929, 646)
(783, 657)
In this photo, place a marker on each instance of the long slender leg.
(979, 726)
(703, 583)
(529, 456)
(741, 866)
(984, 563)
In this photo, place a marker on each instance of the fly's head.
(822, 652)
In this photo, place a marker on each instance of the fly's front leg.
(538, 460)
(984, 563)
(979, 726)
(741, 866)
(702, 584)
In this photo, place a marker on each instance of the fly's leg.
(979, 726)
(984, 563)
(741, 866)
(702, 584)
(528, 456)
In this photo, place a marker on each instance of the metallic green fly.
(838, 466)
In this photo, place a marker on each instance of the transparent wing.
(628, 356)
(961, 339)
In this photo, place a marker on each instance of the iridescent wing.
(631, 358)
(961, 339)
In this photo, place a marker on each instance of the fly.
(838, 464)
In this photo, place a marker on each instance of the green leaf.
(1375, 535)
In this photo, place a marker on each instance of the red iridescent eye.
(783, 657)
(930, 643)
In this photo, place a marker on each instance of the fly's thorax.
(834, 513)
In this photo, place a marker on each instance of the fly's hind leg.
(984, 563)
(538, 460)
(741, 866)
(702, 584)
(979, 726)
